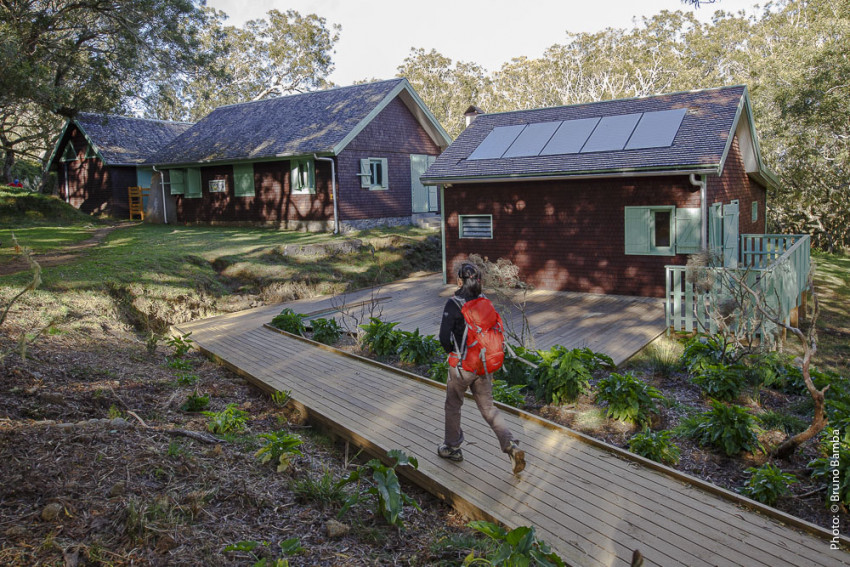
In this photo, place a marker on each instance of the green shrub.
(629, 399)
(720, 381)
(228, 420)
(767, 483)
(785, 422)
(196, 403)
(179, 364)
(702, 350)
(729, 428)
(516, 372)
(563, 375)
(835, 458)
(417, 349)
(324, 490)
(506, 394)
(289, 321)
(657, 446)
(517, 547)
(381, 338)
(771, 369)
(280, 447)
(187, 378)
(439, 371)
(326, 331)
(181, 344)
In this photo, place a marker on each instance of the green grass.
(833, 287)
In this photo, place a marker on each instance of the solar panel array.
(584, 135)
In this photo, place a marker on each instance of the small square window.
(373, 173)
(218, 185)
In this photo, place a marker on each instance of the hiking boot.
(517, 456)
(450, 453)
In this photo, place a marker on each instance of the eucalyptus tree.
(447, 88)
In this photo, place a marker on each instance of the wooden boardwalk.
(591, 502)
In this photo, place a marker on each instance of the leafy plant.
(196, 403)
(281, 397)
(515, 370)
(114, 412)
(767, 483)
(563, 375)
(417, 349)
(179, 364)
(664, 357)
(628, 398)
(833, 467)
(786, 422)
(506, 394)
(439, 371)
(326, 331)
(657, 446)
(381, 338)
(187, 378)
(720, 381)
(517, 547)
(289, 321)
(181, 344)
(702, 350)
(389, 498)
(729, 428)
(290, 546)
(228, 420)
(280, 447)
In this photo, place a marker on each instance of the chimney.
(471, 113)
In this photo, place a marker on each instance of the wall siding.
(569, 235)
(736, 184)
(272, 203)
(393, 134)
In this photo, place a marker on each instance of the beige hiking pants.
(482, 392)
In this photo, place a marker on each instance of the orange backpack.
(484, 341)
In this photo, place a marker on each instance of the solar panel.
(570, 137)
(611, 134)
(532, 139)
(656, 129)
(496, 142)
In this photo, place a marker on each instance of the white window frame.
(465, 218)
(303, 177)
(218, 186)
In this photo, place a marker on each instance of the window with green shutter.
(243, 180)
(662, 231)
(193, 183)
(374, 174)
(177, 178)
(303, 177)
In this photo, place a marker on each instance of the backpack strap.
(460, 349)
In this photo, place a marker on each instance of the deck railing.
(778, 264)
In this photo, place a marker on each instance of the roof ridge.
(111, 115)
(307, 93)
(595, 102)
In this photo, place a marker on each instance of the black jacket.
(453, 323)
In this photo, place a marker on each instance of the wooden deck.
(590, 501)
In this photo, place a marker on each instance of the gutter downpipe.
(162, 186)
(333, 190)
(703, 208)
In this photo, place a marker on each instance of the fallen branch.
(196, 435)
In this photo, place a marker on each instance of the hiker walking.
(471, 324)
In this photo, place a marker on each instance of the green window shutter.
(193, 183)
(243, 180)
(688, 232)
(385, 183)
(178, 181)
(365, 173)
(638, 223)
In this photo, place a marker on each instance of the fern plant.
(417, 349)
(767, 483)
(326, 331)
(289, 321)
(657, 446)
(517, 547)
(629, 398)
(729, 428)
(381, 338)
(563, 375)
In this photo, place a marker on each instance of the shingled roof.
(120, 140)
(320, 122)
(695, 138)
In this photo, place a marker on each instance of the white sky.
(377, 34)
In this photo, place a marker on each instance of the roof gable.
(688, 132)
(319, 122)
